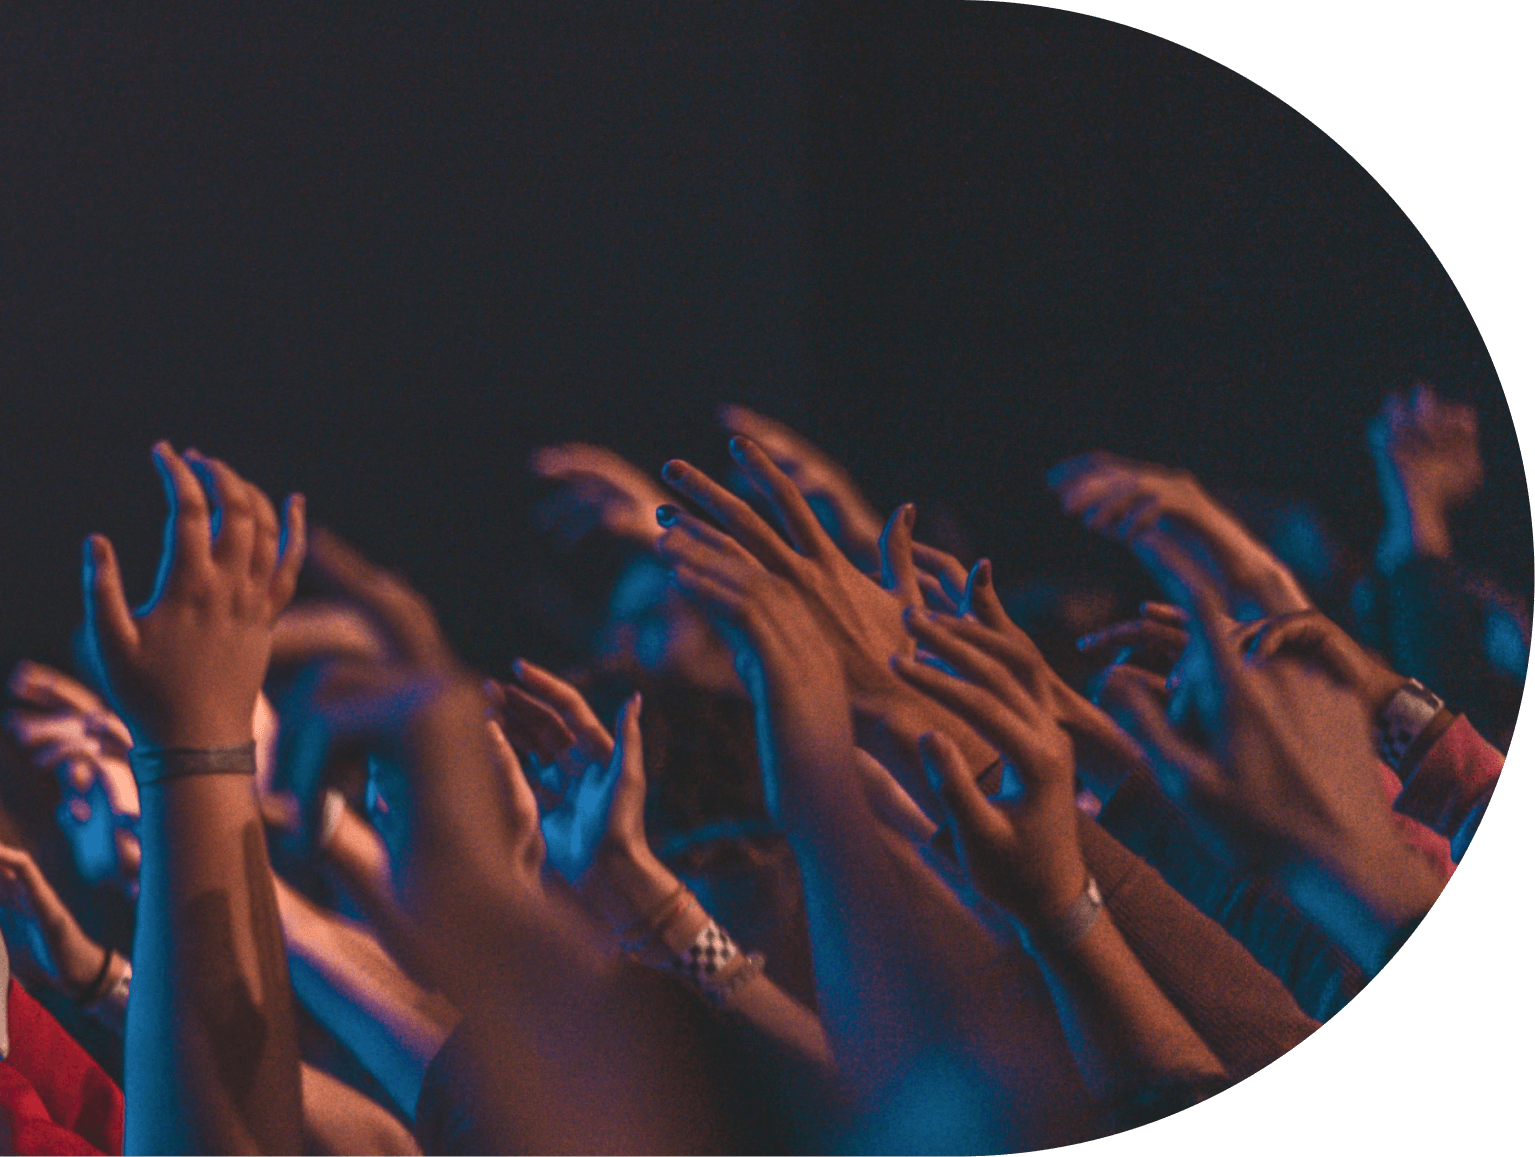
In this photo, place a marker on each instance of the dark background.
(379, 257)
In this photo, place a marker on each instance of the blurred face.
(650, 625)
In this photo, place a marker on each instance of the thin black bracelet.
(157, 764)
(97, 987)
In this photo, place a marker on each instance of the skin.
(1289, 757)
(1428, 462)
(565, 1052)
(1124, 499)
(904, 971)
(211, 1053)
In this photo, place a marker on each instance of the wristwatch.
(1411, 709)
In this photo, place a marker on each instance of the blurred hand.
(1427, 462)
(65, 730)
(185, 670)
(1022, 848)
(829, 489)
(1124, 499)
(70, 957)
(601, 491)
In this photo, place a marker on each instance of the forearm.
(1123, 1029)
(211, 1053)
(905, 973)
(351, 986)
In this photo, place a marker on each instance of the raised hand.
(1124, 499)
(595, 833)
(1313, 636)
(1022, 851)
(829, 489)
(793, 672)
(601, 491)
(184, 670)
(1427, 462)
(1290, 756)
(859, 617)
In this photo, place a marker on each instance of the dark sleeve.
(1320, 975)
(1238, 1007)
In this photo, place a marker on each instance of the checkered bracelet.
(715, 965)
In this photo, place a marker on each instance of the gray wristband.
(158, 764)
(1076, 922)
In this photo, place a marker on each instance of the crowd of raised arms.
(831, 841)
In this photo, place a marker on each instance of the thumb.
(109, 626)
(898, 573)
(627, 768)
(951, 778)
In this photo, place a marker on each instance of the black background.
(379, 255)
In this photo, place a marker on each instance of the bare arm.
(211, 1060)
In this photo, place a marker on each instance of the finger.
(978, 707)
(954, 782)
(569, 704)
(977, 653)
(981, 598)
(1183, 771)
(889, 800)
(1165, 613)
(531, 723)
(1115, 502)
(897, 571)
(188, 545)
(236, 535)
(743, 523)
(524, 804)
(935, 595)
(109, 626)
(291, 550)
(794, 514)
(677, 523)
(1140, 635)
(1070, 470)
(1191, 587)
(268, 535)
(627, 813)
(943, 566)
(52, 690)
(402, 616)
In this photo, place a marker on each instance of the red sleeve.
(1448, 788)
(1433, 845)
(76, 1094)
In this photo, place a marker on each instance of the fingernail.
(517, 668)
(738, 448)
(909, 514)
(672, 471)
(667, 514)
(983, 571)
